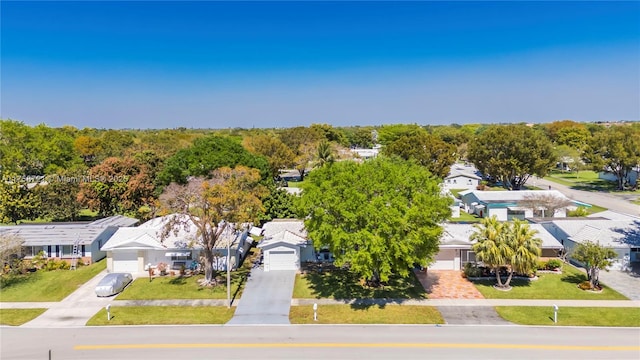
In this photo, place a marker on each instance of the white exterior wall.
(455, 211)
(501, 214)
(461, 182)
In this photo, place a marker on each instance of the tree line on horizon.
(127, 170)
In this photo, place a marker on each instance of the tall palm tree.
(525, 248)
(492, 247)
(324, 154)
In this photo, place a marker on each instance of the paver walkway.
(447, 284)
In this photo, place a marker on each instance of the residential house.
(58, 240)
(455, 246)
(136, 249)
(507, 205)
(614, 230)
(285, 245)
(462, 177)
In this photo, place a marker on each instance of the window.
(67, 250)
(180, 257)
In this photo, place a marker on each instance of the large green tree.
(380, 217)
(207, 154)
(17, 200)
(511, 154)
(615, 150)
(271, 147)
(427, 150)
(595, 257)
(215, 205)
(59, 196)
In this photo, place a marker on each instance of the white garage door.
(125, 261)
(445, 260)
(282, 260)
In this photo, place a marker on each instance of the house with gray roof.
(285, 245)
(57, 240)
(462, 177)
(135, 249)
(622, 234)
(455, 246)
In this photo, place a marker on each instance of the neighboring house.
(462, 177)
(285, 245)
(455, 246)
(506, 205)
(134, 249)
(632, 176)
(367, 153)
(58, 240)
(622, 234)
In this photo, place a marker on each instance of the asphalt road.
(320, 342)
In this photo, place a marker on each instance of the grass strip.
(374, 314)
(163, 315)
(16, 317)
(571, 316)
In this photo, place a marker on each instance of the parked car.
(113, 283)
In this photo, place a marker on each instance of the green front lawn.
(170, 287)
(465, 218)
(163, 315)
(350, 314)
(16, 317)
(48, 285)
(571, 316)
(548, 286)
(343, 284)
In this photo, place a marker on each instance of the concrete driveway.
(471, 315)
(266, 298)
(626, 283)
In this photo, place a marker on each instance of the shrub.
(54, 264)
(578, 212)
(585, 285)
(541, 265)
(553, 264)
(471, 270)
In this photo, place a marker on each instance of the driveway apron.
(471, 315)
(266, 298)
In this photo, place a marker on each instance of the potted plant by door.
(162, 268)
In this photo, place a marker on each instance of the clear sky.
(262, 64)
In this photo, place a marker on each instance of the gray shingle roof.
(57, 234)
(458, 234)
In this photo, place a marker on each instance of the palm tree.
(491, 245)
(525, 248)
(324, 154)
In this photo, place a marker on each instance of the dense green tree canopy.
(511, 154)
(615, 150)
(427, 150)
(207, 154)
(17, 200)
(380, 217)
(273, 149)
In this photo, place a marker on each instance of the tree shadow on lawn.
(342, 284)
(515, 283)
(8, 281)
(574, 278)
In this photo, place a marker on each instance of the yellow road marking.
(357, 345)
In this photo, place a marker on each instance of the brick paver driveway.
(447, 284)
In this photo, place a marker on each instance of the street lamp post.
(228, 275)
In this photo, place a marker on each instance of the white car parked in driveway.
(113, 283)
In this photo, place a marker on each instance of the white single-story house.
(58, 240)
(506, 205)
(621, 234)
(632, 176)
(462, 177)
(135, 249)
(367, 153)
(285, 245)
(455, 246)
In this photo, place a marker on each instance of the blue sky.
(263, 64)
